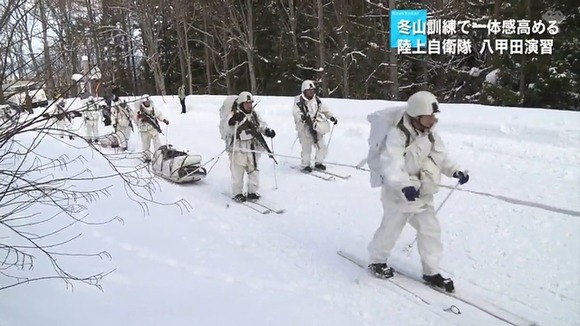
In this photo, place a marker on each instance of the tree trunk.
(226, 62)
(345, 75)
(393, 65)
(133, 67)
(181, 40)
(207, 57)
(528, 10)
(293, 23)
(46, 47)
(94, 37)
(153, 57)
(35, 65)
(158, 75)
(188, 60)
(250, 50)
(321, 48)
(186, 51)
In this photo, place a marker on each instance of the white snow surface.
(220, 265)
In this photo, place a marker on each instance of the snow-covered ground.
(220, 265)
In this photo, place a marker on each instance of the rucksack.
(225, 110)
(382, 122)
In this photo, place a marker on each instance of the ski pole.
(410, 246)
(274, 163)
(292, 148)
(166, 135)
(330, 137)
(234, 145)
(361, 163)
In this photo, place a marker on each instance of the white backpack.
(225, 111)
(382, 122)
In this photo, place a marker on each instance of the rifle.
(262, 141)
(308, 120)
(254, 132)
(152, 120)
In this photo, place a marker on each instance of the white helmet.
(245, 96)
(422, 103)
(307, 84)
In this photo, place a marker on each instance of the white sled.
(177, 166)
(111, 140)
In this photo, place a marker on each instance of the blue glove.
(410, 193)
(462, 176)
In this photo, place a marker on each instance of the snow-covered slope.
(220, 265)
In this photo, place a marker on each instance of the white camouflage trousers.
(394, 220)
(307, 144)
(148, 137)
(240, 163)
(63, 126)
(92, 128)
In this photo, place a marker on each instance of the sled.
(177, 166)
(111, 140)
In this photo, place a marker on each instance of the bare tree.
(344, 49)
(207, 56)
(183, 14)
(290, 24)
(44, 196)
(238, 25)
(321, 47)
(148, 15)
(219, 41)
(26, 30)
(49, 74)
(393, 63)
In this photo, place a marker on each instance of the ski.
(262, 208)
(482, 305)
(268, 206)
(338, 175)
(321, 175)
(360, 263)
(317, 174)
(250, 205)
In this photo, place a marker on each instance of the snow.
(492, 76)
(84, 58)
(474, 72)
(76, 77)
(217, 265)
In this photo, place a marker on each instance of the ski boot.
(320, 166)
(381, 270)
(253, 196)
(240, 198)
(307, 169)
(438, 281)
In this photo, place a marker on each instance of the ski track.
(285, 251)
(522, 258)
